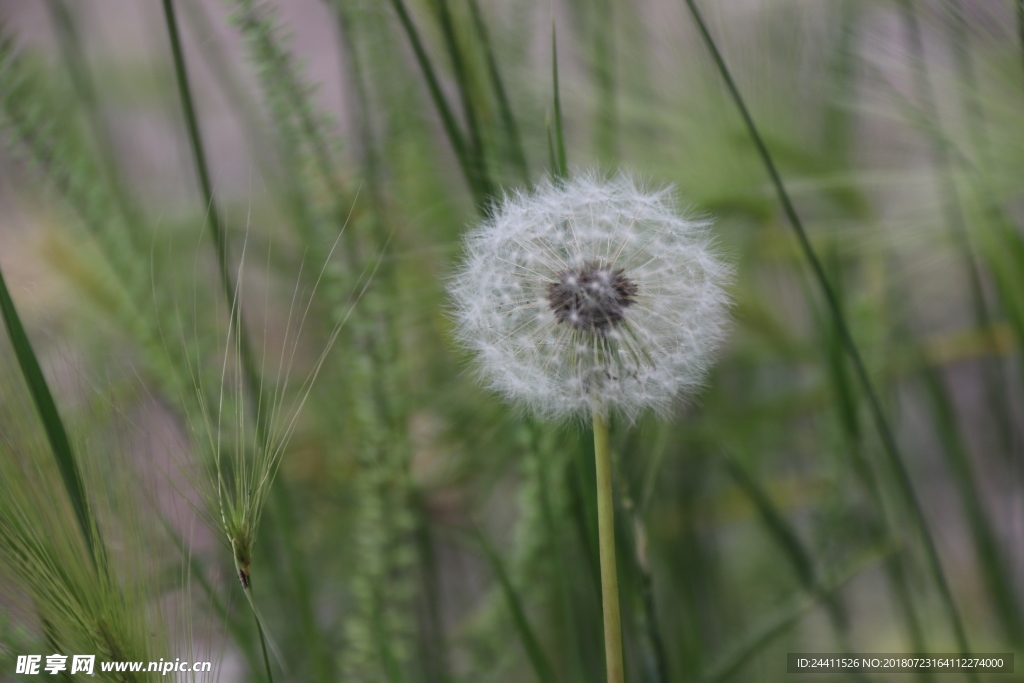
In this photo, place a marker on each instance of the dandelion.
(591, 292)
(588, 296)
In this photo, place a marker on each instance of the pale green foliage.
(101, 602)
(355, 517)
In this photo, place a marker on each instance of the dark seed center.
(592, 297)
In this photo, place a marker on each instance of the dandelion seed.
(591, 292)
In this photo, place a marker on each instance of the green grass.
(268, 351)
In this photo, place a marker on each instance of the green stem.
(606, 537)
(259, 629)
(251, 375)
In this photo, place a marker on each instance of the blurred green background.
(850, 480)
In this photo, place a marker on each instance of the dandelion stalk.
(588, 296)
(606, 539)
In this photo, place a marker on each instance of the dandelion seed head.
(589, 292)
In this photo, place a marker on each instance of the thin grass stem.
(800, 557)
(584, 513)
(849, 419)
(259, 630)
(434, 653)
(777, 623)
(219, 239)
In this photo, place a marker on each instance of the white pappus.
(591, 293)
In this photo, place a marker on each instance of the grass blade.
(213, 214)
(860, 370)
(994, 379)
(849, 422)
(604, 66)
(287, 525)
(515, 143)
(433, 631)
(796, 552)
(1020, 25)
(774, 521)
(541, 666)
(57, 436)
(561, 169)
(642, 578)
(764, 632)
(447, 117)
(772, 626)
(552, 154)
(468, 109)
(554, 532)
(986, 543)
